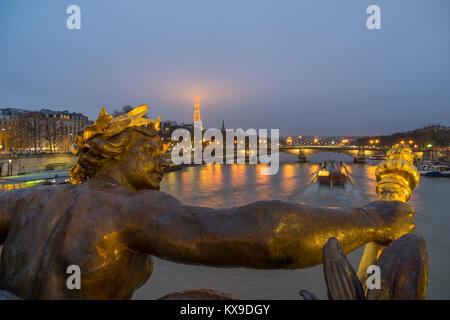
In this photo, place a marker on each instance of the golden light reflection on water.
(211, 177)
(185, 177)
(260, 178)
(263, 185)
(312, 170)
(237, 184)
(238, 173)
(289, 182)
(370, 183)
(171, 178)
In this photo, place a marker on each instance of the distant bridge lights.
(373, 143)
(409, 141)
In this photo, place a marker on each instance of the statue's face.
(141, 165)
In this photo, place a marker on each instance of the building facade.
(24, 131)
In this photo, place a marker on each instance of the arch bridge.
(359, 154)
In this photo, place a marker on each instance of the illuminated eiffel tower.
(197, 111)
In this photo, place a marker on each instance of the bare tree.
(17, 131)
(62, 136)
(123, 110)
(50, 131)
(34, 128)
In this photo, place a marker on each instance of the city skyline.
(303, 134)
(305, 68)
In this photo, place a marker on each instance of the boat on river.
(430, 169)
(331, 173)
(377, 157)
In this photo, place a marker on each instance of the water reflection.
(312, 170)
(238, 175)
(289, 181)
(211, 177)
(232, 185)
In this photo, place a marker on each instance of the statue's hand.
(393, 219)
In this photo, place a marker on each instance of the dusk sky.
(307, 67)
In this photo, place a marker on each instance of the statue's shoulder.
(152, 200)
(111, 192)
(114, 192)
(52, 189)
(155, 195)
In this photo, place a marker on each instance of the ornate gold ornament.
(397, 176)
(106, 126)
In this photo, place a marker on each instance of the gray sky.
(306, 67)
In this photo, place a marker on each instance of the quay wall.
(20, 164)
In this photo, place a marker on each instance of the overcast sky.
(306, 67)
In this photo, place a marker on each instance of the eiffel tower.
(197, 111)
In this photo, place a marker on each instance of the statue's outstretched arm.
(264, 234)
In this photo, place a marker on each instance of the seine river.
(231, 185)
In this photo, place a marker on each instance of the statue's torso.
(59, 226)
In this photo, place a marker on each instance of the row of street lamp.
(372, 142)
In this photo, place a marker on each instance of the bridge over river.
(359, 154)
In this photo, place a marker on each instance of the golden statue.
(113, 219)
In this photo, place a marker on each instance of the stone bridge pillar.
(360, 157)
(301, 156)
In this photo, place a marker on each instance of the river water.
(223, 186)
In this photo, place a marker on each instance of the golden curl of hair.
(104, 140)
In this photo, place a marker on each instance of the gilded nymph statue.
(112, 219)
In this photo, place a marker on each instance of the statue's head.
(126, 147)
